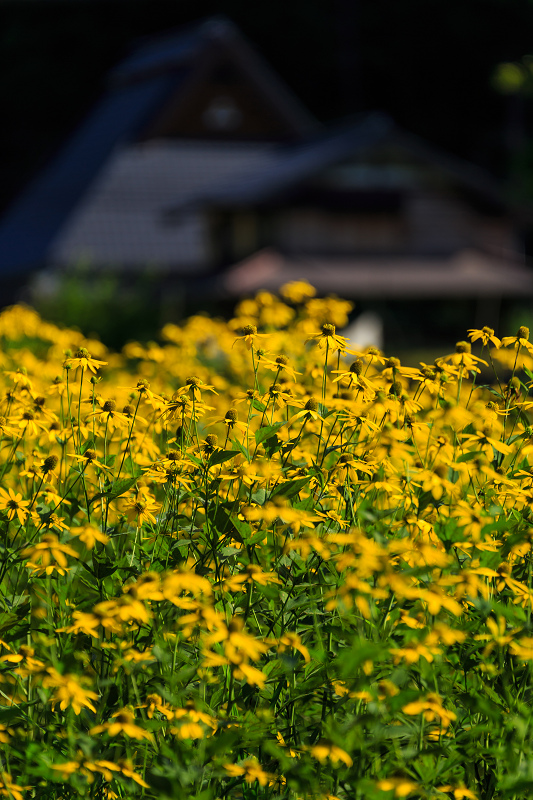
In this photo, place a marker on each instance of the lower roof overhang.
(468, 273)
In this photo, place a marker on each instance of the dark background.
(429, 63)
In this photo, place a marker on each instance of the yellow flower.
(459, 792)
(486, 335)
(82, 358)
(280, 364)
(89, 535)
(520, 340)
(83, 623)
(25, 658)
(432, 709)
(179, 581)
(231, 420)
(195, 386)
(105, 768)
(124, 723)
(20, 377)
(249, 335)
(354, 378)
(498, 636)
(327, 338)
(293, 640)
(143, 388)
(256, 574)
(154, 702)
(297, 291)
(109, 416)
(10, 789)
(238, 645)
(523, 648)
(482, 441)
(402, 786)
(126, 767)
(333, 517)
(5, 429)
(411, 653)
(326, 750)
(67, 768)
(140, 510)
(5, 733)
(309, 411)
(189, 723)
(68, 691)
(53, 521)
(462, 358)
(49, 555)
(125, 609)
(279, 509)
(250, 770)
(331, 308)
(252, 675)
(14, 505)
(89, 458)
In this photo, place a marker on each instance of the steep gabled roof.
(119, 222)
(32, 221)
(139, 87)
(222, 37)
(300, 162)
(296, 163)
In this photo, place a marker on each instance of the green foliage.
(331, 597)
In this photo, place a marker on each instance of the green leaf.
(289, 488)
(118, 488)
(257, 537)
(224, 519)
(224, 523)
(272, 445)
(102, 570)
(219, 456)
(323, 411)
(230, 551)
(351, 659)
(333, 448)
(7, 620)
(242, 448)
(259, 496)
(19, 633)
(469, 456)
(15, 712)
(242, 527)
(267, 432)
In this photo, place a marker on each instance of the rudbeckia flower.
(486, 335)
(327, 338)
(14, 505)
(521, 339)
(124, 723)
(249, 334)
(82, 358)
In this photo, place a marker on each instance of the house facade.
(200, 166)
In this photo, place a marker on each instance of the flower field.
(246, 561)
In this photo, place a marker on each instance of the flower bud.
(50, 464)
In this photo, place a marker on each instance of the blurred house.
(367, 211)
(199, 165)
(180, 112)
